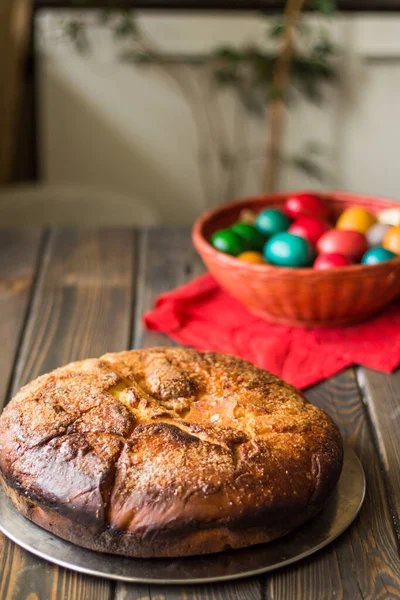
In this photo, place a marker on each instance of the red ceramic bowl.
(303, 297)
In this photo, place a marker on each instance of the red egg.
(330, 261)
(305, 204)
(309, 228)
(351, 244)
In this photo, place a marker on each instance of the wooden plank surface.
(82, 307)
(364, 562)
(19, 252)
(166, 259)
(382, 397)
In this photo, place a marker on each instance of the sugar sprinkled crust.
(166, 452)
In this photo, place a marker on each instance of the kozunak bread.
(166, 452)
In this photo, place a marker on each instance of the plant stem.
(280, 82)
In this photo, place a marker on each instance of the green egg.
(229, 242)
(272, 221)
(287, 250)
(254, 237)
(373, 256)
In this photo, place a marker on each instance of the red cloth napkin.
(200, 314)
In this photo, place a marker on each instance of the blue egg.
(373, 256)
(287, 250)
(271, 221)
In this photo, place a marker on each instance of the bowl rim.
(204, 247)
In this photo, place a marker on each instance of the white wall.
(130, 130)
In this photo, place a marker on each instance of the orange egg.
(391, 241)
(252, 257)
(356, 219)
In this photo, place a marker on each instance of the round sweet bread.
(166, 452)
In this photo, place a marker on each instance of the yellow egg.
(355, 219)
(391, 241)
(252, 257)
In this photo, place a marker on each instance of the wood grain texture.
(367, 553)
(167, 259)
(240, 590)
(382, 397)
(364, 562)
(19, 251)
(83, 303)
(82, 307)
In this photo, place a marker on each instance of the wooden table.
(69, 294)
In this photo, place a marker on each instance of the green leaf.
(228, 54)
(313, 148)
(126, 26)
(143, 58)
(309, 167)
(276, 31)
(226, 76)
(326, 7)
(324, 49)
(76, 31)
(308, 74)
(105, 16)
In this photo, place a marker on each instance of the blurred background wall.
(129, 130)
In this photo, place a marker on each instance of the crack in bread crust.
(165, 452)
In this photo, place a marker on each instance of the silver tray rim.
(27, 529)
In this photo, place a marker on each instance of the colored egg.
(373, 256)
(355, 219)
(389, 216)
(271, 221)
(256, 258)
(376, 234)
(352, 244)
(309, 228)
(331, 261)
(229, 242)
(288, 250)
(306, 205)
(254, 237)
(391, 241)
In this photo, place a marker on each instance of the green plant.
(296, 59)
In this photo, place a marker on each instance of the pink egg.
(351, 244)
(330, 261)
(309, 228)
(304, 204)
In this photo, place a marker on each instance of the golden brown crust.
(166, 452)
